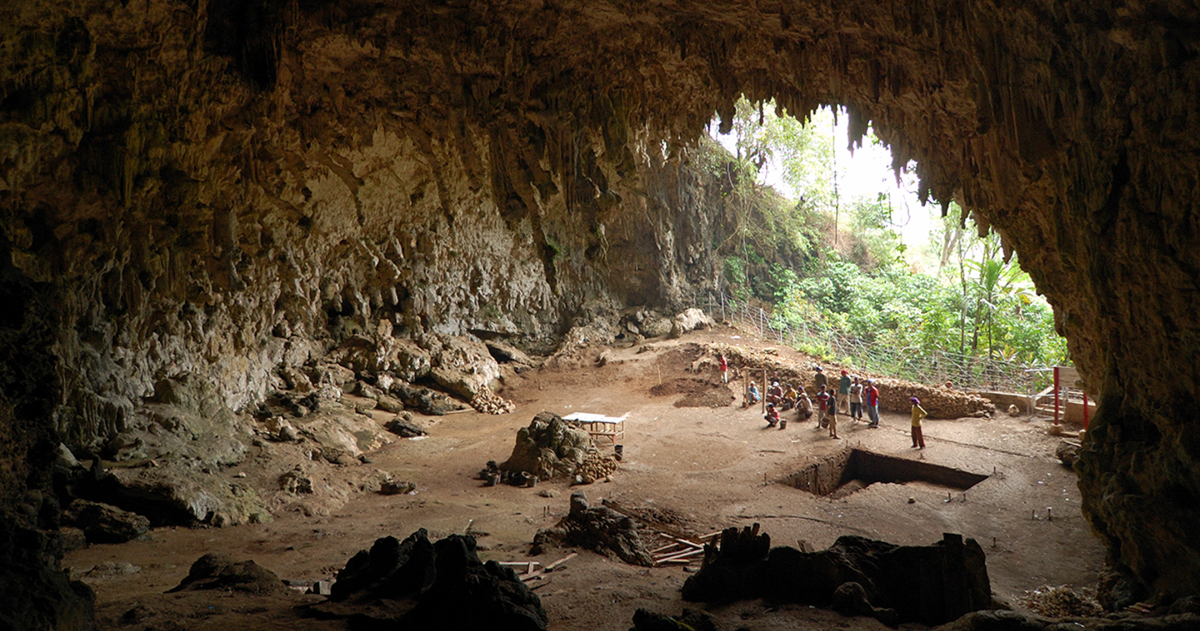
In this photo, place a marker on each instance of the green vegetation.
(834, 264)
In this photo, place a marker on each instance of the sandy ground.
(699, 468)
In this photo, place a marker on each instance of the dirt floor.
(693, 458)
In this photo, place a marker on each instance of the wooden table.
(597, 425)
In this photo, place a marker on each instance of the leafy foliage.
(857, 283)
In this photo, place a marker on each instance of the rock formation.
(218, 192)
(855, 576)
(420, 584)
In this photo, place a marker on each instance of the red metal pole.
(1056, 395)
(1085, 411)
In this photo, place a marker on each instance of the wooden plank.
(664, 548)
(525, 564)
(682, 555)
(561, 561)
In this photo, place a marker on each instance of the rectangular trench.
(826, 476)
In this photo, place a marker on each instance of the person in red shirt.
(772, 415)
(871, 398)
(724, 367)
(823, 402)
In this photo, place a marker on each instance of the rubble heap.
(927, 584)
(418, 584)
(489, 402)
(595, 467)
(598, 528)
(548, 448)
(940, 401)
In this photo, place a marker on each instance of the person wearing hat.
(843, 393)
(804, 406)
(918, 413)
(871, 400)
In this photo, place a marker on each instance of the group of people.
(850, 396)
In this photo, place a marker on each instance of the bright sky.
(866, 173)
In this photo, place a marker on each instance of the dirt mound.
(718, 397)
(698, 392)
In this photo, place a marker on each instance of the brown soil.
(696, 469)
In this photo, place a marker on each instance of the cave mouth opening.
(850, 470)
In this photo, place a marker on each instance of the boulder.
(423, 400)
(403, 426)
(389, 404)
(689, 321)
(218, 571)
(409, 361)
(463, 366)
(1067, 452)
(295, 380)
(507, 353)
(102, 523)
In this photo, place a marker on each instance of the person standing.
(918, 413)
(724, 363)
(824, 402)
(856, 400)
(872, 400)
(843, 393)
(833, 421)
(819, 379)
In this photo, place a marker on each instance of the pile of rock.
(595, 467)
(938, 401)
(598, 528)
(418, 584)
(549, 448)
(489, 402)
(858, 576)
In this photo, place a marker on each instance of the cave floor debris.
(685, 470)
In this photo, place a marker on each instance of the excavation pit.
(850, 470)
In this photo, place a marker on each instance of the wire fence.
(966, 372)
